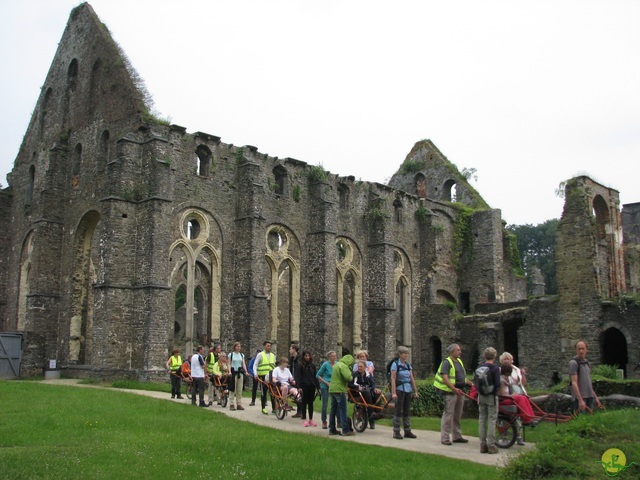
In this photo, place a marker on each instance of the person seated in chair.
(282, 377)
(364, 384)
(509, 396)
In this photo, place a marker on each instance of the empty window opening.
(193, 229)
(280, 177)
(204, 160)
(28, 194)
(449, 191)
(343, 194)
(398, 209)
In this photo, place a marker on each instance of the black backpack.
(483, 380)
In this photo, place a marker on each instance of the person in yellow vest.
(173, 364)
(450, 380)
(262, 368)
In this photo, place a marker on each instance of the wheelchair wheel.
(360, 418)
(506, 433)
(188, 390)
(224, 398)
(281, 409)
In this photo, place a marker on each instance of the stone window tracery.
(349, 289)
(196, 280)
(283, 257)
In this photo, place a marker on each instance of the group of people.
(509, 383)
(298, 377)
(221, 371)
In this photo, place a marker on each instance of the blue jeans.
(324, 395)
(339, 408)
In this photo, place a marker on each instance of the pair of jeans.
(339, 409)
(324, 395)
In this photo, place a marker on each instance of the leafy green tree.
(536, 244)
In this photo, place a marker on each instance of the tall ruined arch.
(44, 112)
(283, 258)
(196, 261)
(84, 277)
(95, 87)
(72, 82)
(604, 248)
(349, 281)
(28, 192)
(24, 281)
(402, 298)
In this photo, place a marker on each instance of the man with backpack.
(582, 393)
(487, 382)
(450, 380)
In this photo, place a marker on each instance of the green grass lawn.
(56, 432)
(53, 432)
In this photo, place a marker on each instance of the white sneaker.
(520, 441)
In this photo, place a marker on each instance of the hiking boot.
(324, 425)
(461, 440)
(349, 434)
(232, 408)
(239, 407)
(483, 448)
(334, 432)
(397, 435)
(409, 435)
(252, 404)
(492, 449)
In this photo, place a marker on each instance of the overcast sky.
(529, 93)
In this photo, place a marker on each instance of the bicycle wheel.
(360, 418)
(281, 408)
(188, 387)
(506, 433)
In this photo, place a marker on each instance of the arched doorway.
(613, 349)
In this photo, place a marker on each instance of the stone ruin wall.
(115, 213)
